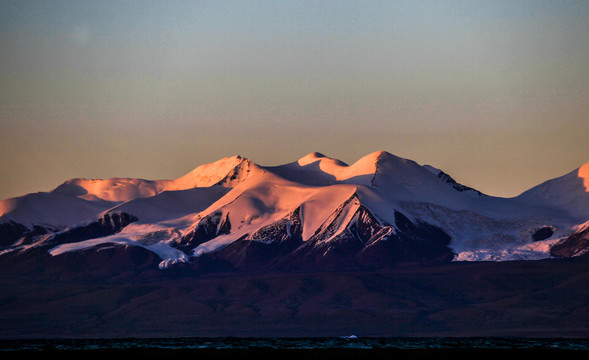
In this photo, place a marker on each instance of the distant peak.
(309, 158)
(210, 174)
(316, 154)
(382, 155)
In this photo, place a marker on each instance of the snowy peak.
(114, 189)
(364, 169)
(48, 210)
(82, 199)
(314, 169)
(211, 174)
(380, 204)
(389, 171)
(385, 156)
(226, 171)
(310, 158)
(369, 164)
(568, 193)
(404, 179)
(319, 170)
(382, 157)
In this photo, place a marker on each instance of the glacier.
(227, 201)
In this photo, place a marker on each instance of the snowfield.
(233, 198)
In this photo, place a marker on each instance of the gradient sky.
(495, 93)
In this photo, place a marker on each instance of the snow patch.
(532, 251)
(252, 196)
(151, 237)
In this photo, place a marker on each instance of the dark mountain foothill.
(119, 291)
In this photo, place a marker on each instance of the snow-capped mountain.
(568, 193)
(316, 212)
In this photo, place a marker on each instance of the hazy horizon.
(494, 93)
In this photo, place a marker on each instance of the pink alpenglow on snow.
(319, 200)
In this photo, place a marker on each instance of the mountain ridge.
(234, 199)
(315, 247)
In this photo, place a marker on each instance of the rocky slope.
(315, 213)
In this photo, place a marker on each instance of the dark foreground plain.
(41, 298)
(309, 347)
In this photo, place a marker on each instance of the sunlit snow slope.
(314, 207)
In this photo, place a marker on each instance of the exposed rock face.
(575, 245)
(10, 232)
(109, 224)
(13, 233)
(287, 229)
(264, 249)
(351, 238)
(542, 233)
(369, 242)
(459, 187)
(208, 228)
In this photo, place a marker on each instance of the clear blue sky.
(496, 93)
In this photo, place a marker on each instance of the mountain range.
(314, 215)
(316, 212)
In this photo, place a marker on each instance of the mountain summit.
(313, 213)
